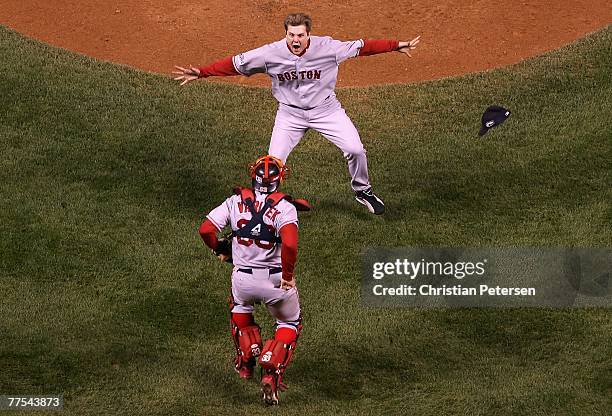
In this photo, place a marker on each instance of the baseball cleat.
(269, 389)
(374, 204)
(246, 370)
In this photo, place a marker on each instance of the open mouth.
(296, 46)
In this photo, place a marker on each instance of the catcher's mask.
(267, 173)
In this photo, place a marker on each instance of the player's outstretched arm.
(376, 46)
(406, 47)
(221, 68)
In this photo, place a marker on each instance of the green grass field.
(108, 296)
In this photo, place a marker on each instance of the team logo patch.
(256, 230)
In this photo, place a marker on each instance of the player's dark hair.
(298, 19)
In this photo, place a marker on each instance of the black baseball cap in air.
(493, 116)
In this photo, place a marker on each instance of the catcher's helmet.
(267, 173)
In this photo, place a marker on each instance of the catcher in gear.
(263, 249)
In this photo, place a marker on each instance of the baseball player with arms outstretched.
(263, 249)
(304, 71)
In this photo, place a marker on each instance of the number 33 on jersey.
(255, 252)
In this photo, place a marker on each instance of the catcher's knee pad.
(248, 342)
(276, 355)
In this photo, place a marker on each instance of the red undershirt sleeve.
(222, 68)
(208, 232)
(289, 237)
(373, 47)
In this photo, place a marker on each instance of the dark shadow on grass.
(234, 390)
(186, 312)
(348, 207)
(31, 364)
(516, 332)
(42, 364)
(347, 372)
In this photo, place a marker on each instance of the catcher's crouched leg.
(247, 340)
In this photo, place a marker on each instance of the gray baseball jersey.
(259, 285)
(247, 252)
(301, 81)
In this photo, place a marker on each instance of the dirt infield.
(458, 36)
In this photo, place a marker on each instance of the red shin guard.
(246, 335)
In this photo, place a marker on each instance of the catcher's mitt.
(224, 249)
